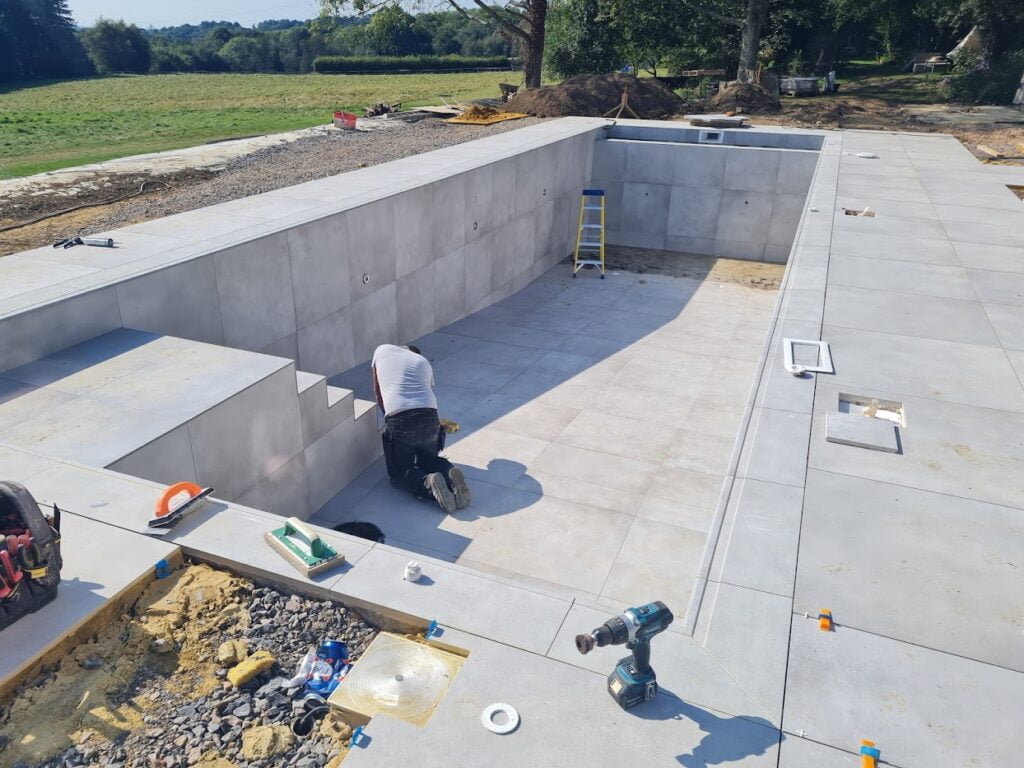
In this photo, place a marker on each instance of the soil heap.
(743, 98)
(596, 95)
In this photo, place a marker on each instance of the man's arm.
(376, 391)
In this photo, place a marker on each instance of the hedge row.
(351, 64)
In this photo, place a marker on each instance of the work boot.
(438, 488)
(458, 483)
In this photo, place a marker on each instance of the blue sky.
(157, 13)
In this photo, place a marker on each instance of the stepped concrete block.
(40, 332)
(254, 283)
(249, 436)
(167, 460)
(341, 454)
(181, 301)
(319, 268)
(322, 407)
(285, 492)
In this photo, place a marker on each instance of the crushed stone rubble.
(248, 726)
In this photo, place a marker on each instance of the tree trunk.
(533, 42)
(750, 40)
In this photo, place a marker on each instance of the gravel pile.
(247, 727)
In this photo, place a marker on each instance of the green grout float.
(299, 545)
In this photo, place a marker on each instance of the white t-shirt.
(405, 378)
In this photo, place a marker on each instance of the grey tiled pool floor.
(597, 419)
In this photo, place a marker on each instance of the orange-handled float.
(166, 515)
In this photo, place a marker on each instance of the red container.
(344, 120)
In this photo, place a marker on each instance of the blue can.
(333, 651)
(330, 668)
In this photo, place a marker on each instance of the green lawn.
(886, 82)
(56, 125)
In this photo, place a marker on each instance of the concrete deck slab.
(921, 707)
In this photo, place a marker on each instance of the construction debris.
(381, 109)
(743, 98)
(112, 701)
(595, 95)
(482, 115)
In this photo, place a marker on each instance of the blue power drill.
(632, 681)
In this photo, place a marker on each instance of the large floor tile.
(548, 538)
(964, 373)
(909, 314)
(867, 550)
(923, 708)
(698, 452)
(903, 276)
(966, 451)
(624, 474)
(640, 573)
(632, 439)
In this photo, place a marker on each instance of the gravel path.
(281, 166)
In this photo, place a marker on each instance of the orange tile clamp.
(825, 621)
(869, 754)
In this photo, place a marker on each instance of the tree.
(578, 41)
(246, 54)
(37, 39)
(393, 32)
(114, 46)
(520, 21)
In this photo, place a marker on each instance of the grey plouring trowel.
(299, 545)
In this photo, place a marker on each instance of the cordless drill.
(632, 681)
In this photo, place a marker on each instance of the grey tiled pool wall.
(728, 200)
(321, 272)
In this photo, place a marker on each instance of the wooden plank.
(985, 149)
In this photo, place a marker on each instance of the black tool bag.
(30, 560)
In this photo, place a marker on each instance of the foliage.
(356, 64)
(246, 54)
(393, 32)
(37, 40)
(114, 46)
(578, 40)
(994, 83)
(55, 125)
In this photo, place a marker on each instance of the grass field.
(56, 125)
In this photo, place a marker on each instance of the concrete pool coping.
(804, 525)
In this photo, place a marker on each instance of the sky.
(160, 13)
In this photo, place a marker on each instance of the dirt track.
(281, 166)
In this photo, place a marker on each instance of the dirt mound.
(595, 96)
(745, 98)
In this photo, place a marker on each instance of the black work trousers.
(412, 440)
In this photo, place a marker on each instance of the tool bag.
(30, 560)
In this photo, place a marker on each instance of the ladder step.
(592, 207)
(590, 226)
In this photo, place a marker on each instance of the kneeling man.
(403, 383)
